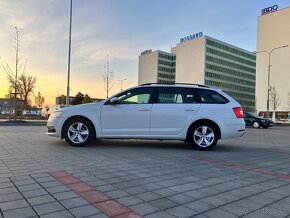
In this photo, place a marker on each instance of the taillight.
(238, 112)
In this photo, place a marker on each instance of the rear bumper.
(234, 129)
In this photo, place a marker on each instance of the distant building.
(156, 67)
(204, 60)
(273, 32)
(5, 106)
(62, 99)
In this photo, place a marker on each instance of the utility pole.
(121, 82)
(269, 73)
(69, 54)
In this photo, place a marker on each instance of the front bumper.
(54, 126)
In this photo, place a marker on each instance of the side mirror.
(114, 100)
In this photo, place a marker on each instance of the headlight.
(56, 114)
(264, 120)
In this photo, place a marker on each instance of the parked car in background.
(54, 108)
(251, 119)
(197, 114)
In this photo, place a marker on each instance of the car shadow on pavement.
(131, 143)
(221, 147)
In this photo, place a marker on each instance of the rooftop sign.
(190, 37)
(269, 10)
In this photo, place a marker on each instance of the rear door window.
(211, 97)
(175, 95)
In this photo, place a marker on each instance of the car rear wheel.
(203, 136)
(256, 125)
(78, 132)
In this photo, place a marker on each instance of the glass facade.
(233, 70)
(166, 68)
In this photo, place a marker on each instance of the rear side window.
(174, 95)
(211, 97)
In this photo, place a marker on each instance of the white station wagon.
(197, 114)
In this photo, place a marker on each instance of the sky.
(120, 29)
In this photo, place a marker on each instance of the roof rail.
(145, 84)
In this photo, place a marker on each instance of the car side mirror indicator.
(114, 100)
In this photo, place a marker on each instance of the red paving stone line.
(242, 167)
(98, 199)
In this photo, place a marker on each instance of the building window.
(231, 57)
(230, 49)
(229, 64)
(229, 71)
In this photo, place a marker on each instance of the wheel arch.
(208, 121)
(75, 117)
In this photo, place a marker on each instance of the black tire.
(201, 141)
(256, 125)
(78, 132)
(265, 127)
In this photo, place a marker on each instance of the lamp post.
(269, 73)
(69, 51)
(121, 81)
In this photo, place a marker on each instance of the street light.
(269, 72)
(121, 81)
(69, 51)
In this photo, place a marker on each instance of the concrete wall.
(148, 66)
(190, 61)
(273, 31)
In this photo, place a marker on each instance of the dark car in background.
(252, 119)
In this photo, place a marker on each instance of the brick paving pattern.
(98, 199)
(246, 177)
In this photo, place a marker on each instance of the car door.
(130, 115)
(173, 110)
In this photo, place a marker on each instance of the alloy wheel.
(78, 132)
(204, 136)
(256, 124)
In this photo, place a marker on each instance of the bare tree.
(26, 87)
(19, 83)
(39, 100)
(13, 75)
(108, 77)
(274, 98)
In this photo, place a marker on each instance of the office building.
(201, 59)
(273, 34)
(156, 67)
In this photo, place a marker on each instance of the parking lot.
(42, 176)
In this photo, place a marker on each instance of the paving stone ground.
(245, 177)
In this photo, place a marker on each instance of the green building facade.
(231, 69)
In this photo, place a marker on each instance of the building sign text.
(190, 37)
(269, 9)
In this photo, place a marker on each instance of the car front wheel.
(203, 136)
(78, 132)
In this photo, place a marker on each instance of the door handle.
(144, 109)
(189, 109)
